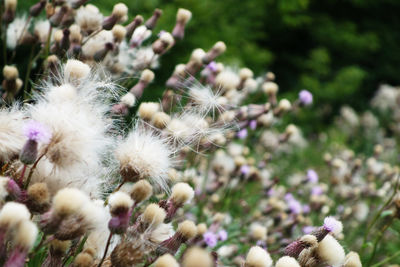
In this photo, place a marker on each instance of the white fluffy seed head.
(11, 134)
(26, 234)
(167, 38)
(330, 251)
(41, 30)
(10, 72)
(197, 257)
(179, 69)
(258, 231)
(153, 215)
(76, 70)
(285, 104)
(13, 213)
(188, 229)
(162, 232)
(220, 47)
(64, 92)
(120, 11)
(205, 99)
(147, 110)
(147, 155)
(352, 260)
(270, 88)
(227, 79)
(128, 99)
(287, 261)
(166, 260)
(197, 55)
(75, 33)
(89, 18)
(119, 200)
(182, 193)
(183, 15)
(118, 32)
(245, 74)
(10, 5)
(161, 119)
(201, 228)
(147, 76)
(141, 191)
(58, 35)
(68, 201)
(258, 257)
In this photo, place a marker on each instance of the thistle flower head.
(119, 202)
(88, 18)
(141, 191)
(258, 257)
(312, 176)
(330, 251)
(25, 235)
(305, 97)
(287, 261)
(36, 131)
(332, 225)
(11, 134)
(205, 99)
(166, 260)
(68, 201)
(145, 155)
(14, 31)
(183, 15)
(227, 79)
(210, 239)
(182, 193)
(197, 257)
(187, 229)
(153, 215)
(13, 213)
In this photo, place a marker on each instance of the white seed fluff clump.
(330, 251)
(11, 135)
(14, 31)
(88, 18)
(146, 154)
(79, 149)
(258, 257)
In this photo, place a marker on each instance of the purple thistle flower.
(305, 97)
(222, 235)
(245, 169)
(210, 239)
(289, 197)
(306, 208)
(295, 206)
(331, 224)
(37, 132)
(242, 134)
(161, 33)
(212, 66)
(312, 176)
(253, 124)
(317, 191)
(308, 229)
(271, 192)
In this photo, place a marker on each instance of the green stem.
(378, 239)
(28, 72)
(378, 215)
(386, 260)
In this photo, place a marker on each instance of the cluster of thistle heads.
(93, 176)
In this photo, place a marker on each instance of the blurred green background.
(340, 50)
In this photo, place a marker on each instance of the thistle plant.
(92, 175)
